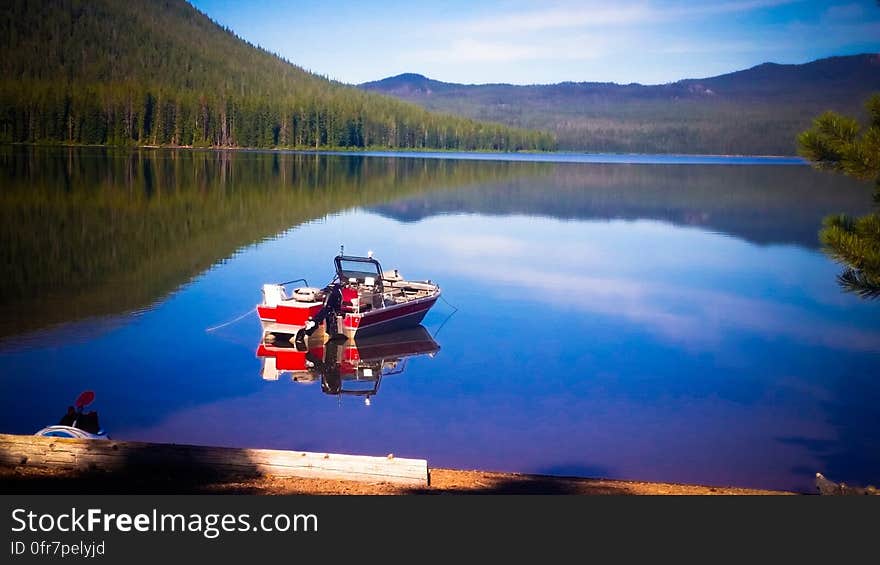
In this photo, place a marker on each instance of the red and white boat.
(361, 300)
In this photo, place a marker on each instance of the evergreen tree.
(840, 143)
(144, 72)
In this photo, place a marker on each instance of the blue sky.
(522, 42)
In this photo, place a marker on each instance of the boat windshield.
(358, 268)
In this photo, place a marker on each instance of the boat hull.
(406, 343)
(286, 319)
(389, 319)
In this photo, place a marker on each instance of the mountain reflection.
(759, 204)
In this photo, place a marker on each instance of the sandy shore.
(443, 481)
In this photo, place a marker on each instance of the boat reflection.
(353, 368)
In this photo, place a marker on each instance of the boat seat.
(307, 294)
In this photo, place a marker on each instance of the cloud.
(702, 47)
(558, 18)
(599, 15)
(571, 32)
(677, 311)
(743, 6)
(689, 316)
(479, 50)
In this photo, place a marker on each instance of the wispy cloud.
(741, 6)
(528, 42)
(679, 47)
(565, 33)
(692, 317)
(572, 17)
(480, 50)
(678, 310)
(597, 15)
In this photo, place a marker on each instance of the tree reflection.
(90, 232)
(839, 143)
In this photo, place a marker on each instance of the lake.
(667, 320)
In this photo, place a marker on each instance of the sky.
(531, 42)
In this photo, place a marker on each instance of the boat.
(77, 424)
(353, 367)
(361, 300)
(70, 432)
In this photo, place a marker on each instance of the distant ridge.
(850, 70)
(758, 110)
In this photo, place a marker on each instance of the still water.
(663, 321)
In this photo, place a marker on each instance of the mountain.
(160, 72)
(754, 111)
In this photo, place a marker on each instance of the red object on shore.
(84, 399)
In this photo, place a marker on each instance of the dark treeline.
(150, 72)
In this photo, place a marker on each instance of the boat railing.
(387, 293)
(304, 281)
(418, 285)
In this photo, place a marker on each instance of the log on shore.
(194, 460)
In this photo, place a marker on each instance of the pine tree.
(839, 143)
(148, 73)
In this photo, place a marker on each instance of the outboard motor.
(85, 421)
(88, 422)
(331, 309)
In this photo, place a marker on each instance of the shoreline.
(23, 480)
(42, 464)
(380, 151)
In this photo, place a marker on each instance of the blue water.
(669, 323)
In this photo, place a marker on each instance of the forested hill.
(755, 111)
(150, 72)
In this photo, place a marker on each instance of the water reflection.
(95, 232)
(345, 368)
(635, 321)
(764, 205)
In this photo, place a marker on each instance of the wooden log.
(138, 457)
